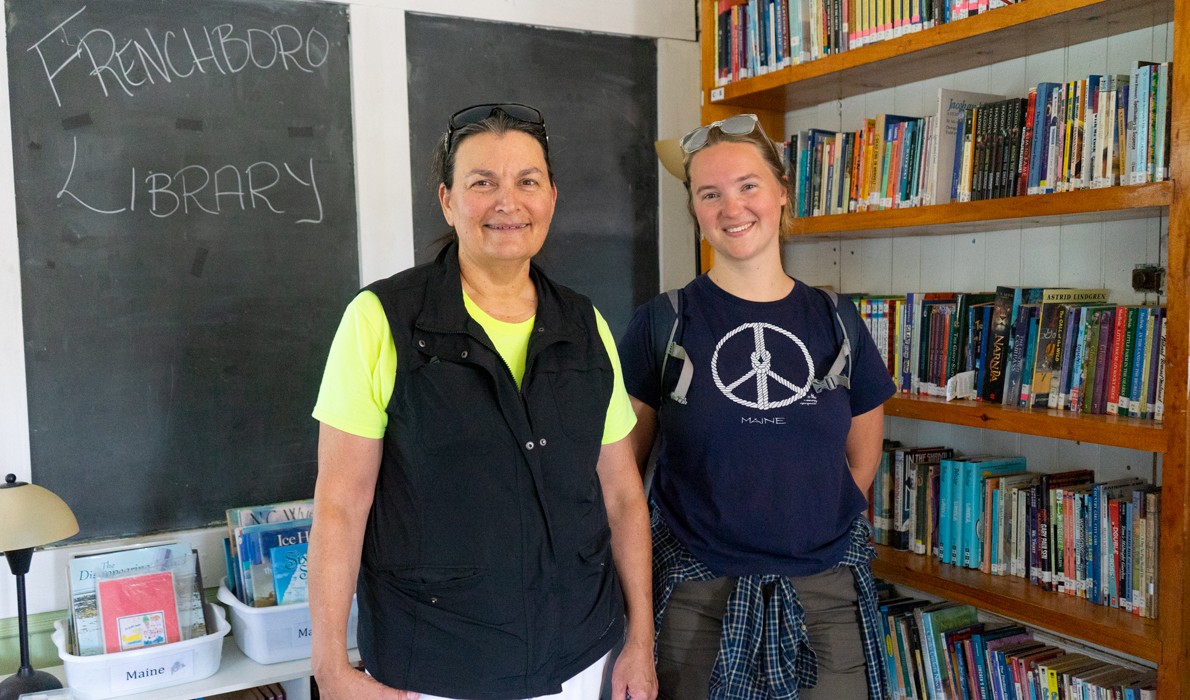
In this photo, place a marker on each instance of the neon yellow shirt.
(361, 368)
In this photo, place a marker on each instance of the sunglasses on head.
(737, 125)
(477, 113)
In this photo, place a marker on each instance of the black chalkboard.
(185, 206)
(599, 96)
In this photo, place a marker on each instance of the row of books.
(272, 691)
(754, 37)
(1100, 131)
(1060, 348)
(942, 651)
(134, 597)
(1063, 532)
(265, 552)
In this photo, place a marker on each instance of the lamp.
(30, 516)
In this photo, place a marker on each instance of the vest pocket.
(461, 592)
(581, 398)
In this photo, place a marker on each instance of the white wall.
(381, 114)
(1073, 255)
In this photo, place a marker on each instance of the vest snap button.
(529, 445)
(464, 354)
(541, 442)
(421, 343)
(434, 600)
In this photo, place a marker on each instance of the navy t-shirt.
(752, 474)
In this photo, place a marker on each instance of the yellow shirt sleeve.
(620, 417)
(361, 369)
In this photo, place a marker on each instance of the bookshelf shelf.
(1026, 28)
(1009, 32)
(1116, 431)
(1112, 203)
(1015, 598)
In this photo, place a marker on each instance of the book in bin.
(86, 569)
(138, 611)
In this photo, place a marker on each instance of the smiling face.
(501, 201)
(737, 200)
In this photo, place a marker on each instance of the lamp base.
(26, 680)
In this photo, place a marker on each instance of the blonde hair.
(770, 153)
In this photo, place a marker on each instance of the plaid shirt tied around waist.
(765, 650)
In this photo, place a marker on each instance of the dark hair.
(498, 123)
(769, 152)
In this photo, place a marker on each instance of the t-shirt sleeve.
(360, 371)
(641, 375)
(871, 384)
(620, 417)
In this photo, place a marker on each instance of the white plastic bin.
(128, 672)
(277, 633)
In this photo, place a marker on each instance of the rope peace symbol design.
(762, 372)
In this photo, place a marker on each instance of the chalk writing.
(197, 188)
(117, 63)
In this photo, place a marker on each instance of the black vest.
(487, 568)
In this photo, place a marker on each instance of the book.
(86, 569)
(936, 620)
(949, 112)
(256, 544)
(288, 566)
(138, 611)
(905, 489)
(247, 516)
(1051, 327)
(976, 470)
(1045, 515)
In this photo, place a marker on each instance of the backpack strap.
(835, 377)
(665, 347)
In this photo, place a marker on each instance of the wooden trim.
(1009, 32)
(1174, 669)
(1132, 433)
(1129, 202)
(1015, 598)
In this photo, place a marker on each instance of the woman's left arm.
(864, 443)
(628, 516)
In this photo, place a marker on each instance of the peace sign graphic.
(762, 366)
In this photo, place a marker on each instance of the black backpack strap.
(667, 311)
(835, 376)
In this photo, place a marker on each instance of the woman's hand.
(634, 675)
(346, 683)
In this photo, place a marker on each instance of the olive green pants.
(688, 643)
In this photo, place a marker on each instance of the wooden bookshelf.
(1116, 431)
(1027, 27)
(1080, 206)
(1017, 599)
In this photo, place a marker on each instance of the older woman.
(761, 556)
(476, 488)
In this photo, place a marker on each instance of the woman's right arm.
(348, 466)
(642, 433)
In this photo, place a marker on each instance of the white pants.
(586, 685)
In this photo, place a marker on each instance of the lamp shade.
(31, 516)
